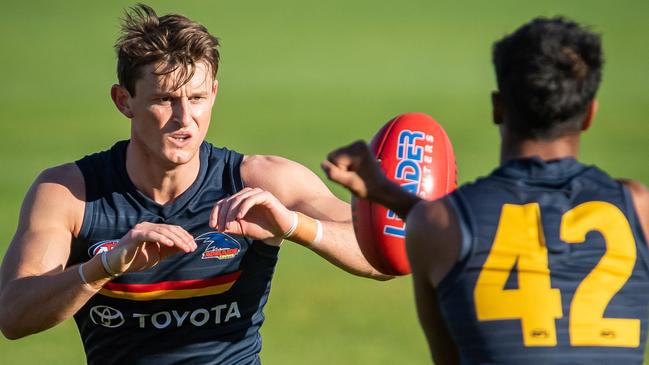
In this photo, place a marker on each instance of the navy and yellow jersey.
(203, 307)
(553, 269)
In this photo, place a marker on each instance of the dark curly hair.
(172, 41)
(548, 72)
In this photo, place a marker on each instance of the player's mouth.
(180, 139)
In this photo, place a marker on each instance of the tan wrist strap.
(307, 231)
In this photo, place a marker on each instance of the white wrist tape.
(319, 232)
(104, 263)
(291, 230)
(81, 275)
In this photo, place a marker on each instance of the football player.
(545, 260)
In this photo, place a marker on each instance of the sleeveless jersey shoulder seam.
(230, 158)
(641, 244)
(235, 158)
(88, 212)
(468, 243)
(87, 165)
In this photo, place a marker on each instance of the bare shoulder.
(67, 175)
(64, 182)
(640, 196)
(50, 216)
(433, 238)
(638, 190)
(57, 193)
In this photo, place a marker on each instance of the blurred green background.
(299, 78)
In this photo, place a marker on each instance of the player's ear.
(590, 115)
(121, 97)
(215, 87)
(497, 107)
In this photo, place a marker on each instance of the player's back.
(553, 269)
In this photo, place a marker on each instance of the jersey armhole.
(235, 159)
(466, 244)
(88, 211)
(634, 222)
(465, 233)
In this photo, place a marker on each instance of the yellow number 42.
(520, 245)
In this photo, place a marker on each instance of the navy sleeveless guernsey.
(554, 268)
(203, 307)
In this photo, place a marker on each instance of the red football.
(415, 152)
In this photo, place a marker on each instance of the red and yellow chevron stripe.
(180, 289)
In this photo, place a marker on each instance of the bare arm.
(37, 290)
(432, 236)
(281, 186)
(432, 242)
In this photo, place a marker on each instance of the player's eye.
(163, 100)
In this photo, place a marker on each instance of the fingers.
(165, 234)
(252, 212)
(345, 177)
(259, 198)
(182, 236)
(219, 216)
(146, 244)
(230, 211)
(355, 167)
(233, 212)
(336, 173)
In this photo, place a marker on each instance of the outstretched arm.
(275, 189)
(355, 168)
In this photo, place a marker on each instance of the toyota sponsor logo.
(106, 316)
(109, 317)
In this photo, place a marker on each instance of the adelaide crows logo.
(219, 246)
(101, 247)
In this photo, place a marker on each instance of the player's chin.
(180, 156)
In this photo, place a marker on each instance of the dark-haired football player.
(545, 260)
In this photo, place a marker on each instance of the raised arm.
(356, 169)
(277, 187)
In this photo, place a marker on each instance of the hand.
(147, 244)
(253, 213)
(355, 168)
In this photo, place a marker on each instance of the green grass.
(299, 79)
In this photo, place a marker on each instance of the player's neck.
(513, 148)
(162, 182)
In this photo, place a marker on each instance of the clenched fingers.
(346, 178)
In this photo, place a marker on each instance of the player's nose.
(182, 112)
